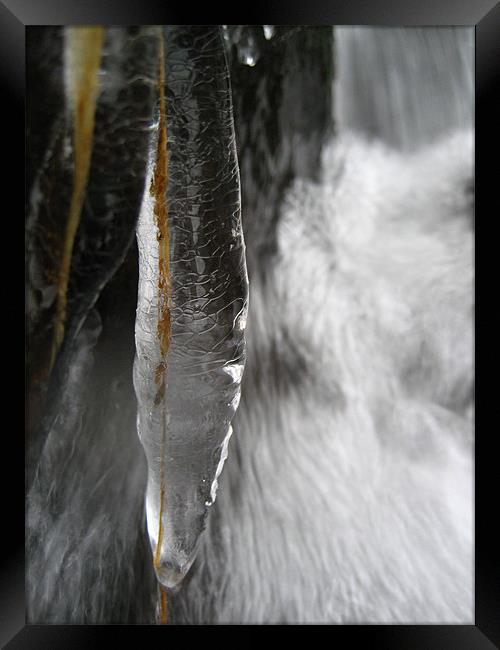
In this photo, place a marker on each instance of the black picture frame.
(15, 15)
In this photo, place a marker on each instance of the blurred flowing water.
(406, 86)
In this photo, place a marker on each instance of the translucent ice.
(192, 298)
(90, 111)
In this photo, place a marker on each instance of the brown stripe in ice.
(158, 191)
(84, 51)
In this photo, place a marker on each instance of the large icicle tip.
(192, 298)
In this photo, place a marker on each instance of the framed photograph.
(251, 316)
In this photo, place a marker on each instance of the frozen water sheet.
(192, 298)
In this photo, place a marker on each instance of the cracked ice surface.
(188, 394)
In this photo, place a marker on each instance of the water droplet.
(268, 31)
(247, 57)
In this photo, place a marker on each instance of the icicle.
(192, 299)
